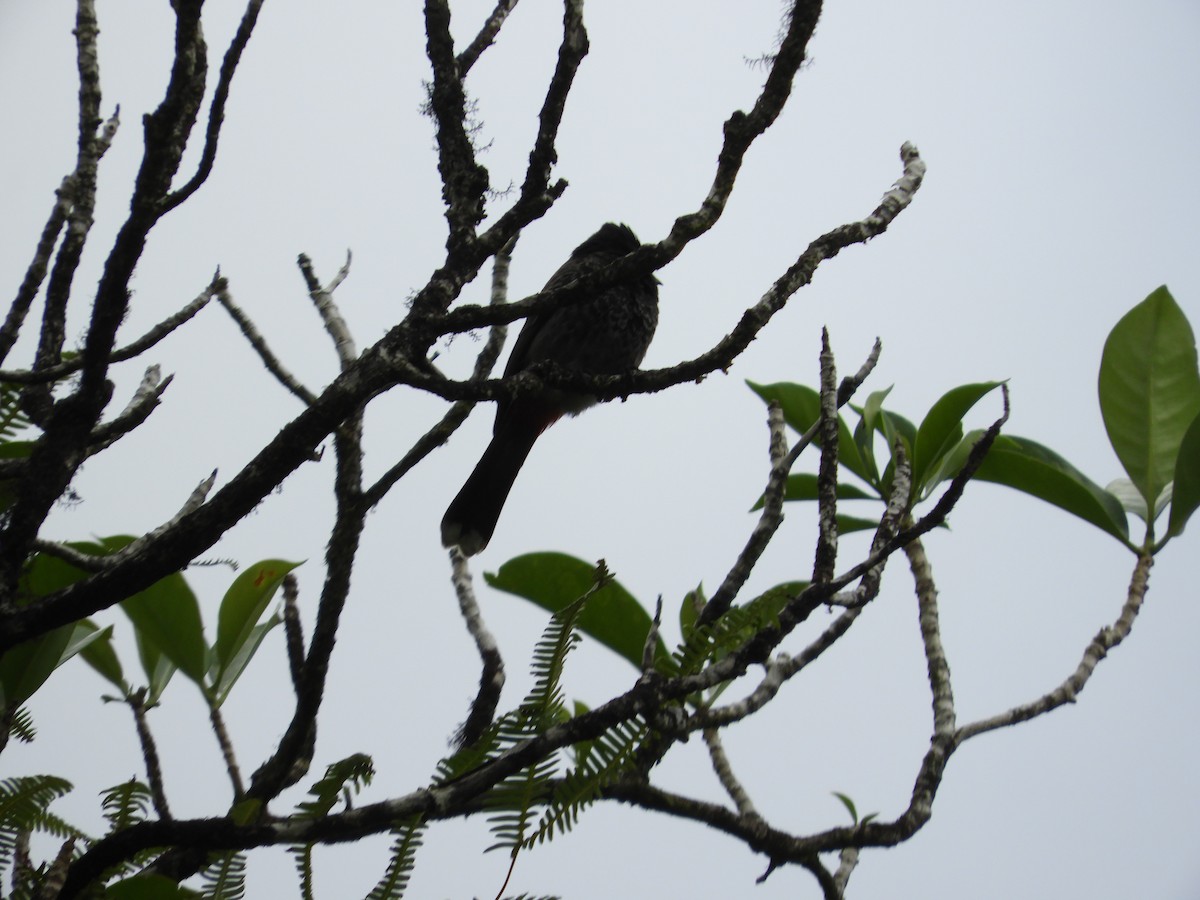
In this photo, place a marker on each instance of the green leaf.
(803, 486)
(167, 615)
(25, 668)
(941, 431)
(102, 657)
(849, 804)
(864, 434)
(1038, 471)
(147, 887)
(1149, 390)
(158, 668)
(232, 671)
(1186, 496)
(689, 610)
(243, 605)
(555, 580)
(801, 407)
(848, 524)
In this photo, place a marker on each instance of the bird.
(604, 333)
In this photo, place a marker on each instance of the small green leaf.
(849, 804)
(689, 609)
(1149, 389)
(1038, 471)
(864, 433)
(555, 580)
(941, 430)
(1186, 495)
(801, 407)
(158, 668)
(243, 605)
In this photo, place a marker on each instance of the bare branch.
(216, 112)
(729, 781)
(144, 401)
(259, 343)
(130, 350)
(486, 37)
(38, 266)
(331, 316)
(1105, 640)
(931, 637)
(154, 776)
(458, 412)
(464, 180)
(825, 557)
(491, 675)
(764, 529)
(231, 766)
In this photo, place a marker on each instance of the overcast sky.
(1062, 188)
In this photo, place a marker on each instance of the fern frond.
(126, 804)
(21, 726)
(24, 804)
(224, 878)
(302, 855)
(347, 776)
(344, 778)
(12, 420)
(605, 760)
(403, 860)
(514, 799)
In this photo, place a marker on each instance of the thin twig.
(825, 557)
(729, 781)
(331, 316)
(1106, 639)
(457, 414)
(216, 112)
(491, 675)
(486, 37)
(231, 766)
(137, 704)
(258, 342)
(931, 637)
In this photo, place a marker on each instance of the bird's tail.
(472, 515)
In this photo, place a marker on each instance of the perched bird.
(606, 333)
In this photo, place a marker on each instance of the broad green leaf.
(555, 580)
(941, 430)
(801, 407)
(168, 615)
(1186, 496)
(1149, 390)
(1040, 472)
(803, 486)
(1133, 501)
(25, 668)
(232, 670)
(102, 656)
(243, 605)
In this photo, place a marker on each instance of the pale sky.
(1062, 188)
